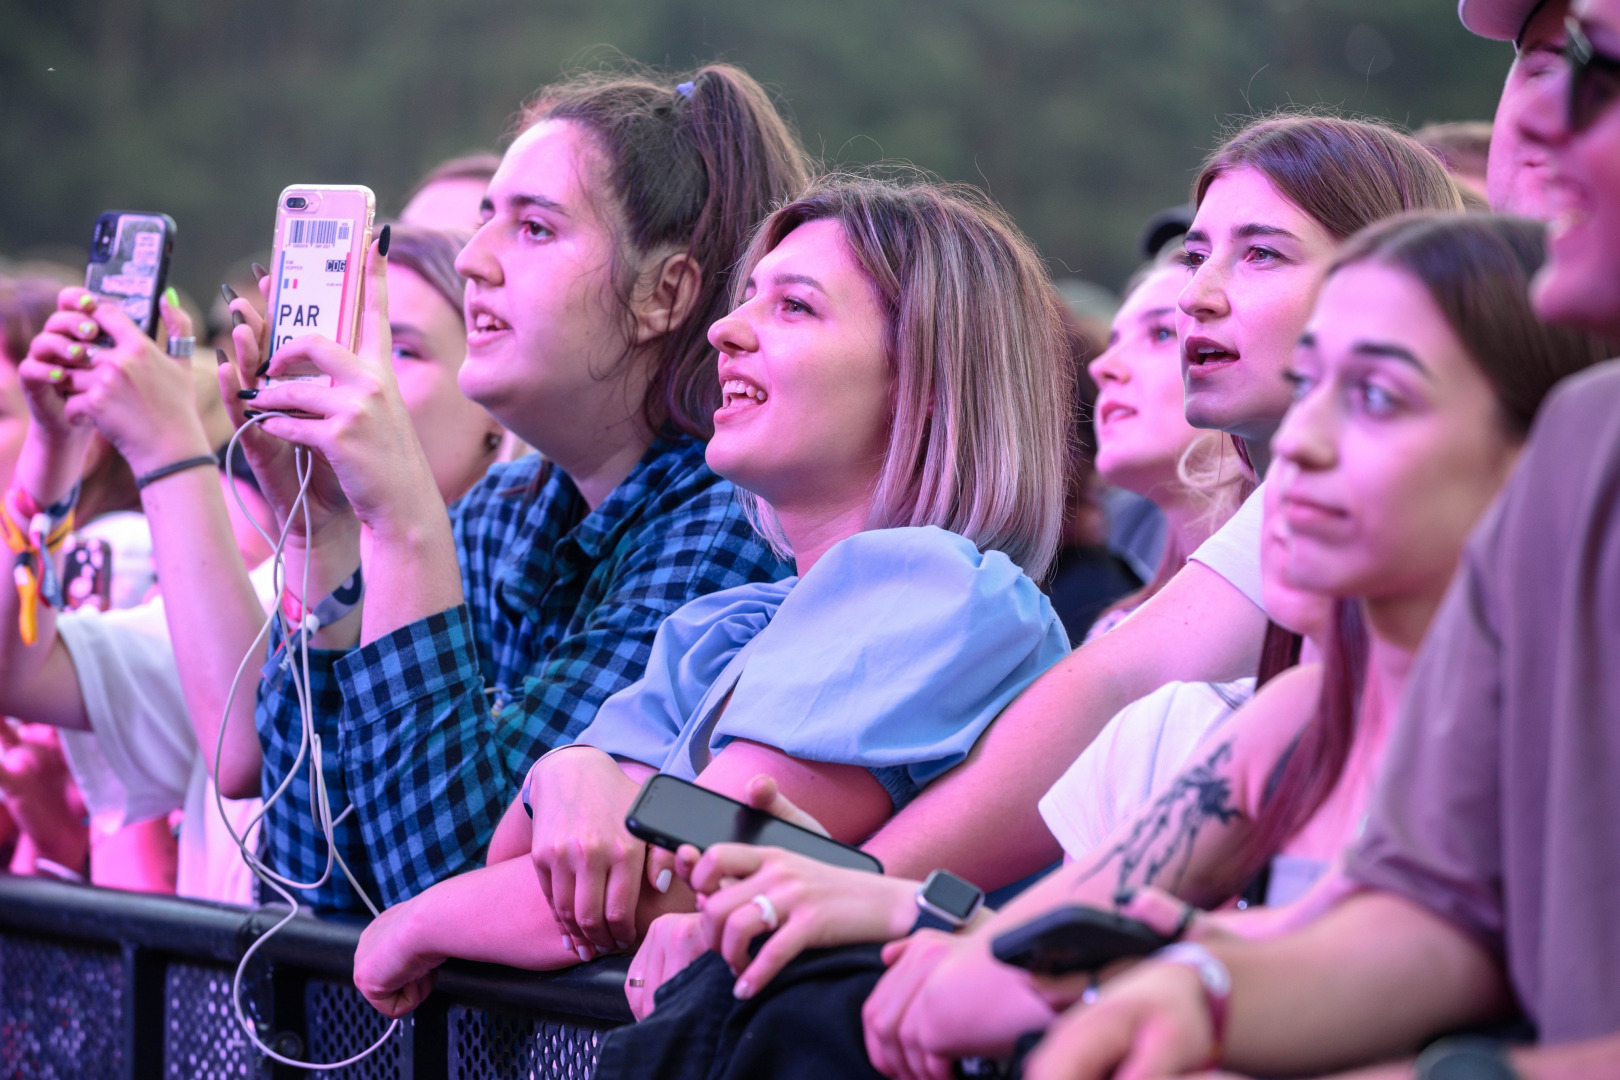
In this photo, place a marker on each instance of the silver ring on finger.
(767, 910)
(182, 348)
(635, 981)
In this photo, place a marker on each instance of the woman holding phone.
(490, 635)
(139, 693)
(892, 411)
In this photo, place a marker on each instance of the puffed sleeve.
(897, 649)
(690, 650)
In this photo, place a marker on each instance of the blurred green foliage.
(1081, 116)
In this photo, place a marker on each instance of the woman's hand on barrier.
(744, 889)
(359, 422)
(590, 867)
(911, 960)
(388, 969)
(671, 943)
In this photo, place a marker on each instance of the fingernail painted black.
(228, 293)
(382, 241)
(247, 395)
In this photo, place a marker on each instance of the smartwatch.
(946, 902)
(1465, 1057)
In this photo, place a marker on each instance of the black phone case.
(123, 269)
(667, 834)
(1074, 939)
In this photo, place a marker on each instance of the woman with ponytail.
(490, 635)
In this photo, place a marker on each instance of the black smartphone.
(670, 812)
(129, 263)
(1076, 938)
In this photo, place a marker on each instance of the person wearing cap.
(1484, 880)
(1516, 171)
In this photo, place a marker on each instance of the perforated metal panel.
(201, 1036)
(61, 1011)
(487, 1045)
(341, 1025)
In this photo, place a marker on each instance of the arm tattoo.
(1167, 832)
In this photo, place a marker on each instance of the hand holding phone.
(670, 812)
(317, 267)
(128, 266)
(1076, 938)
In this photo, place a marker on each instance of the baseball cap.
(1500, 20)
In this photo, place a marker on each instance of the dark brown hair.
(1477, 270)
(1306, 774)
(1344, 173)
(693, 163)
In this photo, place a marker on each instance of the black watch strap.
(927, 920)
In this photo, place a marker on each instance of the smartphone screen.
(670, 812)
(322, 234)
(129, 263)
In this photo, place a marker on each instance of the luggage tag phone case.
(129, 264)
(317, 267)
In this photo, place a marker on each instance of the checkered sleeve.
(294, 846)
(433, 770)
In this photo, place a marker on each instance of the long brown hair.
(693, 163)
(1477, 270)
(1344, 173)
(974, 341)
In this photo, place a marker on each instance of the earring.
(492, 442)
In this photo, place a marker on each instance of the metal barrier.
(97, 983)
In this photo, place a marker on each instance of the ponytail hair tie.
(685, 90)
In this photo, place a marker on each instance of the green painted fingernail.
(172, 297)
(74, 352)
(87, 327)
(57, 374)
(87, 301)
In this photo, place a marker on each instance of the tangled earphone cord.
(309, 742)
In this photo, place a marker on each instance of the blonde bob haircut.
(975, 346)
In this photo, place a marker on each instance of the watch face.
(951, 894)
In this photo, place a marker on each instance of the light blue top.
(894, 653)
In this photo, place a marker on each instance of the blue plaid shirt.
(429, 731)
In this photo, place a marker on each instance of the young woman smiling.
(491, 635)
(1273, 205)
(893, 413)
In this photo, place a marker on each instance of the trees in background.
(1082, 116)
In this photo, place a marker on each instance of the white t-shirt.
(1234, 550)
(1140, 750)
(140, 758)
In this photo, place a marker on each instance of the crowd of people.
(660, 453)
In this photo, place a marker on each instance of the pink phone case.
(317, 267)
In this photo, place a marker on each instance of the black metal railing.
(98, 983)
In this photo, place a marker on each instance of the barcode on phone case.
(317, 232)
